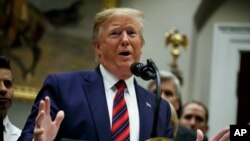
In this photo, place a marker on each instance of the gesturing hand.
(222, 135)
(45, 128)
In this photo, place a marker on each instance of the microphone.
(147, 72)
(143, 71)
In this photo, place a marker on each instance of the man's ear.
(96, 46)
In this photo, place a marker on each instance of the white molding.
(228, 40)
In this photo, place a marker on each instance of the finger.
(226, 136)
(200, 135)
(39, 119)
(59, 118)
(38, 131)
(41, 106)
(40, 113)
(220, 134)
(47, 105)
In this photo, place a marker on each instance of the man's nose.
(125, 40)
(192, 121)
(2, 87)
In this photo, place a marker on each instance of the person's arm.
(222, 135)
(46, 129)
(50, 90)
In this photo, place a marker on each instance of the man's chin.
(5, 104)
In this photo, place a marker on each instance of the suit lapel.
(94, 89)
(146, 109)
(98, 105)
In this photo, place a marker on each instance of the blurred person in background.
(194, 116)
(10, 131)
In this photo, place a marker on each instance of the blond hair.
(174, 119)
(104, 15)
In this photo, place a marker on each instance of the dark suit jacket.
(81, 96)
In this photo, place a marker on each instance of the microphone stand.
(157, 78)
(152, 65)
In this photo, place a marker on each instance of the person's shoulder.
(72, 74)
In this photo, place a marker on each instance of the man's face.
(193, 117)
(119, 45)
(6, 90)
(169, 92)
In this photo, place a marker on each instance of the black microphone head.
(143, 71)
(135, 68)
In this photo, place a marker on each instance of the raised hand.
(45, 128)
(222, 135)
(200, 135)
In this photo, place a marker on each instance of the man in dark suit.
(79, 105)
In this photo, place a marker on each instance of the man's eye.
(168, 93)
(188, 117)
(199, 118)
(114, 33)
(132, 33)
(7, 83)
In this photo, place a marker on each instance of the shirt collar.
(6, 121)
(110, 79)
(9, 127)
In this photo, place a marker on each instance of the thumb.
(200, 135)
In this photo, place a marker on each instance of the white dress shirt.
(130, 97)
(11, 132)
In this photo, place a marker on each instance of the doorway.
(243, 91)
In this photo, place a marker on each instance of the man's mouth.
(125, 53)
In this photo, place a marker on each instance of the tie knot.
(120, 84)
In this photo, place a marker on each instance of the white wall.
(231, 12)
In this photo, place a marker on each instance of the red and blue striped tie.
(120, 119)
